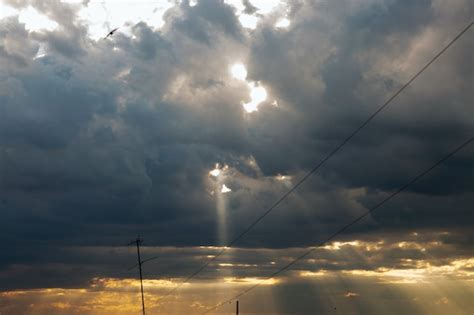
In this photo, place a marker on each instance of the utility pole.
(138, 242)
(237, 307)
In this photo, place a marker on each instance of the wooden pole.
(139, 241)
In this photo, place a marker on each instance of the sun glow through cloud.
(146, 120)
(258, 94)
(283, 23)
(215, 172)
(100, 296)
(218, 170)
(225, 189)
(239, 71)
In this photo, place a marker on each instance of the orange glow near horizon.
(116, 296)
(432, 287)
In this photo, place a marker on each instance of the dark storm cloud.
(331, 82)
(101, 141)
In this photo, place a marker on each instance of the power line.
(142, 262)
(344, 228)
(323, 161)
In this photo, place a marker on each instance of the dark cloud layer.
(104, 140)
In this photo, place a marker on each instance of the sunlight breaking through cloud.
(283, 23)
(252, 280)
(258, 94)
(118, 137)
(239, 71)
(215, 172)
(225, 189)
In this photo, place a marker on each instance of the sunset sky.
(195, 117)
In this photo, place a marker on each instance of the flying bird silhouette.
(111, 32)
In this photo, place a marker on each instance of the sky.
(195, 117)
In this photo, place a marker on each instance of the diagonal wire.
(142, 262)
(324, 160)
(344, 228)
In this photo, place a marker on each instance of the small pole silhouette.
(138, 242)
(237, 307)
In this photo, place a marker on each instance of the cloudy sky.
(194, 117)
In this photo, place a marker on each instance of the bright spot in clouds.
(35, 21)
(283, 23)
(257, 95)
(225, 189)
(248, 21)
(41, 52)
(216, 171)
(238, 71)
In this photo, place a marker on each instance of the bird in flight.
(111, 33)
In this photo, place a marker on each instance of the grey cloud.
(249, 8)
(205, 20)
(103, 140)
(56, 106)
(69, 39)
(15, 46)
(331, 92)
